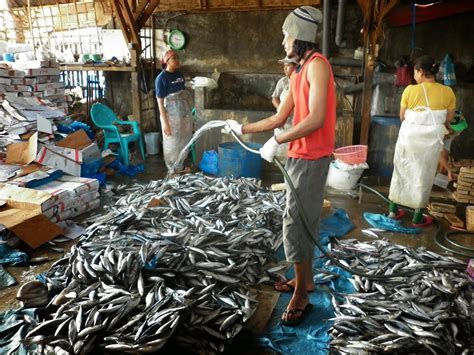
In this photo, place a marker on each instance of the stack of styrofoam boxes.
(40, 79)
(6, 75)
(4, 80)
(73, 196)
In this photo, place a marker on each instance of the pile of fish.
(174, 259)
(423, 312)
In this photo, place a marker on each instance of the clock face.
(177, 40)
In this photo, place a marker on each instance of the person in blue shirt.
(175, 110)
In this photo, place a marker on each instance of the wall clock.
(176, 40)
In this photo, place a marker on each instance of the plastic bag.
(210, 162)
(404, 76)
(203, 82)
(181, 122)
(446, 72)
(128, 170)
(383, 222)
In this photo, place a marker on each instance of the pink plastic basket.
(352, 154)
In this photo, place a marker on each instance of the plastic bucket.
(8, 57)
(235, 161)
(343, 179)
(152, 143)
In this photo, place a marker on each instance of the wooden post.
(31, 28)
(135, 87)
(153, 71)
(366, 99)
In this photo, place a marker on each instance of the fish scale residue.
(180, 270)
(426, 312)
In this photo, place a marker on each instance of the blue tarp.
(9, 256)
(311, 336)
(383, 222)
(54, 175)
(129, 170)
(75, 126)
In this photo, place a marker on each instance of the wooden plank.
(470, 218)
(93, 67)
(454, 220)
(466, 170)
(442, 207)
(196, 6)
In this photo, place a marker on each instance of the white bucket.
(343, 179)
(152, 143)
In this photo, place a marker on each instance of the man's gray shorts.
(309, 179)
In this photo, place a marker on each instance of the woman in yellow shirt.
(425, 109)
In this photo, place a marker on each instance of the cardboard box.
(23, 214)
(470, 218)
(24, 198)
(23, 152)
(30, 226)
(41, 71)
(68, 154)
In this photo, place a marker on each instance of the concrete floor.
(366, 201)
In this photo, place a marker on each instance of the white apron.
(417, 152)
(179, 114)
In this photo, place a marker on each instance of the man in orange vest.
(311, 141)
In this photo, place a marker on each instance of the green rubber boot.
(392, 210)
(418, 216)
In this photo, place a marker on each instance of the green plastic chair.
(103, 117)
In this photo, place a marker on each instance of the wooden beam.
(95, 67)
(129, 21)
(135, 86)
(121, 21)
(368, 72)
(374, 13)
(147, 13)
(141, 6)
(366, 100)
(133, 5)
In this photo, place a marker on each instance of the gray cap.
(302, 23)
(287, 60)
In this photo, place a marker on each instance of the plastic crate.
(352, 154)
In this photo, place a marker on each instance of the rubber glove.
(269, 149)
(233, 125)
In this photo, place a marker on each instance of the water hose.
(316, 238)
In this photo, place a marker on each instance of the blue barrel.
(382, 139)
(235, 161)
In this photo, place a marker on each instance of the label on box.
(42, 71)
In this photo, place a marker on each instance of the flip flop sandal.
(291, 322)
(427, 220)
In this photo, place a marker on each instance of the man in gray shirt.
(283, 85)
